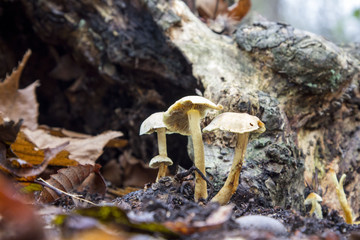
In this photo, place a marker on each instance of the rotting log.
(304, 88)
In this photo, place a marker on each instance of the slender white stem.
(161, 137)
(232, 181)
(199, 159)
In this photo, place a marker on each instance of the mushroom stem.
(161, 137)
(339, 187)
(316, 208)
(198, 145)
(232, 182)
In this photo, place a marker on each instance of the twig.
(59, 191)
(190, 171)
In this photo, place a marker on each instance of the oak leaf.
(16, 103)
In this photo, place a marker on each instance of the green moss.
(334, 79)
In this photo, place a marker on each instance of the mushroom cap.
(152, 123)
(176, 119)
(236, 123)
(160, 159)
(312, 196)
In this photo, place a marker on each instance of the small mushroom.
(184, 117)
(242, 124)
(314, 200)
(154, 123)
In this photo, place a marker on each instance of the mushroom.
(314, 200)
(154, 123)
(242, 124)
(184, 117)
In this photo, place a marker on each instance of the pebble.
(262, 223)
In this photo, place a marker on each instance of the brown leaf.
(26, 171)
(15, 103)
(210, 9)
(238, 10)
(28, 151)
(9, 131)
(61, 132)
(83, 151)
(69, 179)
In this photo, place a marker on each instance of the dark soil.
(171, 200)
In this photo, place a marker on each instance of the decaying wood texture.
(138, 57)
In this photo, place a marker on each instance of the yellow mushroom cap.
(159, 159)
(153, 122)
(176, 119)
(236, 123)
(311, 197)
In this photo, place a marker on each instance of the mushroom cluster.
(184, 117)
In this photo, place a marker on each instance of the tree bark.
(304, 88)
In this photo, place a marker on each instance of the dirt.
(171, 199)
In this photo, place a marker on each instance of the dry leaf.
(61, 132)
(70, 179)
(26, 171)
(15, 103)
(9, 131)
(83, 151)
(238, 10)
(210, 9)
(28, 151)
(12, 164)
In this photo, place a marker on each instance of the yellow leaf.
(27, 151)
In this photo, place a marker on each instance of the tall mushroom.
(184, 117)
(242, 124)
(154, 123)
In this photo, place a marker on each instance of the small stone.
(262, 223)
